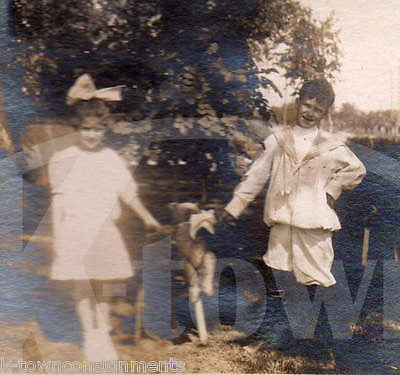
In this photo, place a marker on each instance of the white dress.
(87, 187)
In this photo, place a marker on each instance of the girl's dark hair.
(319, 89)
(93, 107)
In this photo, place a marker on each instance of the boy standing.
(308, 168)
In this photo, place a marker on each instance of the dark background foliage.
(175, 57)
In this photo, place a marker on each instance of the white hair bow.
(84, 89)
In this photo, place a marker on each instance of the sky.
(370, 43)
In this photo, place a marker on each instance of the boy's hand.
(330, 201)
(224, 216)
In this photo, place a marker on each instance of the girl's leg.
(83, 296)
(103, 316)
(94, 317)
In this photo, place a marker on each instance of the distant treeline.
(382, 124)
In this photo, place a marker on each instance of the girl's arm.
(57, 213)
(149, 221)
(58, 169)
(131, 197)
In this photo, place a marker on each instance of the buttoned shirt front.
(297, 189)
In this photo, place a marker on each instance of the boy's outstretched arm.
(254, 181)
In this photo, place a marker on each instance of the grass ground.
(223, 353)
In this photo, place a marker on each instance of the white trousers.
(306, 252)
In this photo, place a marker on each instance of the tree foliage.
(302, 50)
(379, 124)
(187, 58)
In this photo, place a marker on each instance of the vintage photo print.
(204, 186)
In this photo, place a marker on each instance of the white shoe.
(99, 346)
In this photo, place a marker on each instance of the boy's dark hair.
(319, 89)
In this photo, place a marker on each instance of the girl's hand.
(153, 226)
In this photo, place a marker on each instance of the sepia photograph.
(207, 186)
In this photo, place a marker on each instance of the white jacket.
(297, 189)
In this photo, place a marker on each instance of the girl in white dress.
(87, 182)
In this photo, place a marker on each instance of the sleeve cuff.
(235, 207)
